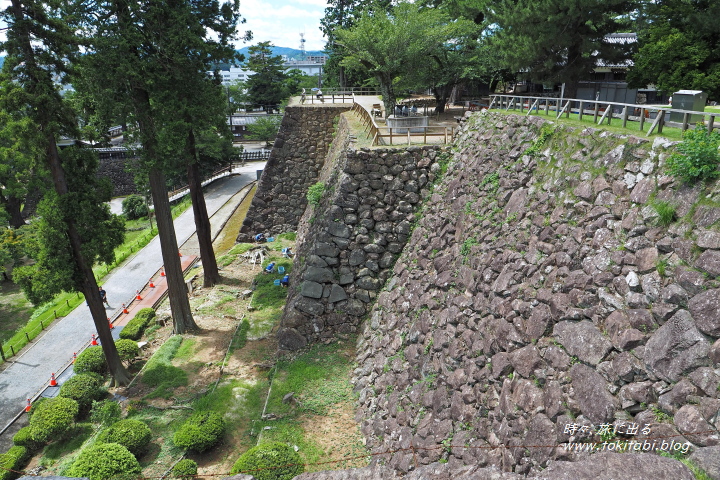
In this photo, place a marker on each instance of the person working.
(103, 296)
(260, 237)
(270, 268)
(285, 280)
(287, 252)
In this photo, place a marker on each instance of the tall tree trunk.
(183, 321)
(202, 220)
(12, 207)
(177, 291)
(388, 95)
(89, 285)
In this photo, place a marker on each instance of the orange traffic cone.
(152, 285)
(28, 406)
(94, 340)
(53, 382)
(110, 324)
(137, 295)
(74, 356)
(162, 272)
(125, 310)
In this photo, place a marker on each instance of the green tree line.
(441, 44)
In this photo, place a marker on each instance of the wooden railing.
(626, 112)
(327, 97)
(400, 135)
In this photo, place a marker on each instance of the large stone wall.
(538, 294)
(118, 169)
(351, 239)
(296, 159)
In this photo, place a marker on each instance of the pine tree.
(556, 41)
(266, 86)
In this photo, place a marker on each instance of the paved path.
(30, 371)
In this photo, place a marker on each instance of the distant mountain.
(292, 53)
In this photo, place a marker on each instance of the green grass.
(161, 374)
(268, 300)
(615, 126)
(74, 441)
(42, 316)
(666, 212)
(320, 378)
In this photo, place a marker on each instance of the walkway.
(30, 371)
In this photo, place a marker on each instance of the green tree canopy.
(558, 40)
(679, 47)
(393, 45)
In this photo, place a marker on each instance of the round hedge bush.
(103, 461)
(261, 462)
(200, 432)
(184, 468)
(131, 434)
(134, 207)
(84, 388)
(127, 349)
(53, 419)
(91, 360)
(35, 406)
(23, 438)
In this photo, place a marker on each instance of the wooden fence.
(402, 135)
(602, 111)
(327, 97)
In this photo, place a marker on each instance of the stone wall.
(114, 166)
(297, 157)
(351, 239)
(539, 299)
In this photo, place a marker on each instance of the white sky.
(278, 21)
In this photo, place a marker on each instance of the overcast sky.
(279, 21)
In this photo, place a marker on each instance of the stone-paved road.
(30, 371)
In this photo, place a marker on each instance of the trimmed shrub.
(35, 406)
(53, 419)
(105, 412)
(184, 468)
(103, 461)
(135, 327)
(131, 434)
(134, 207)
(23, 438)
(84, 388)
(127, 349)
(13, 459)
(200, 432)
(262, 461)
(91, 360)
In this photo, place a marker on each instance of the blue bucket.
(281, 269)
(276, 282)
(271, 239)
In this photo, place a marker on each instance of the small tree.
(265, 129)
(265, 87)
